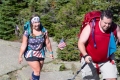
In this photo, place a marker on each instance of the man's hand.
(88, 59)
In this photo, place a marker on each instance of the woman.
(33, 46)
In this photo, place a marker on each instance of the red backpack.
(90, 18)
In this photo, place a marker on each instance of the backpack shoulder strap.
(43, 29)
(92, 26)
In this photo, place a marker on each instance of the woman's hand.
(20, 60)
(51, 56)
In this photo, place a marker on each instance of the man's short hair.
(106, 13)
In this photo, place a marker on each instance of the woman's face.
(36, 25)
(35, 22)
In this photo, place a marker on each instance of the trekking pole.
(79, 71)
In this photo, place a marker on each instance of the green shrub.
(70, 52)
(117, 56)
(62, 67)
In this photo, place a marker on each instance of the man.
(100, 62)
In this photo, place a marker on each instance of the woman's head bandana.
(35, 19)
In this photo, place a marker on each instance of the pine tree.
(8, 11)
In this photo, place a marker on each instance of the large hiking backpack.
(90, 18)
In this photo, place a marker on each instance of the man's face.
(105, 23)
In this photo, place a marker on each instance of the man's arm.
(118, 33)
(82, 41)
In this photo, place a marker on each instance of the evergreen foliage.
(8, 14)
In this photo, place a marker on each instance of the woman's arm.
(23, 46)
(48, 45)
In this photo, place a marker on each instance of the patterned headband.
(35, 19)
